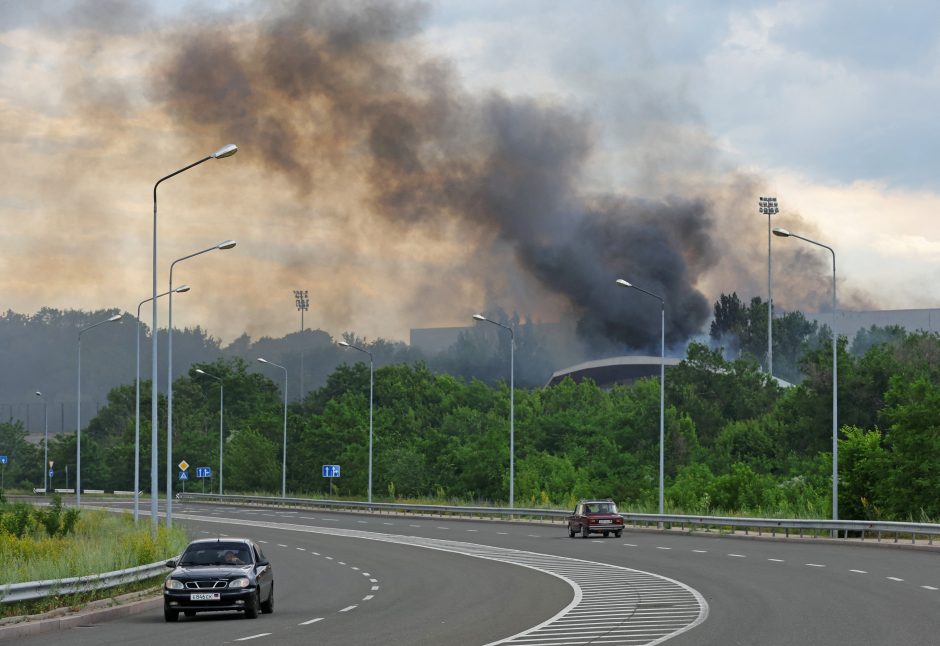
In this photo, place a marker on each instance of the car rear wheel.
(585, 532)
(617, 534)
(251, 610)
(606, 534)
(268, 606)
(170, 615)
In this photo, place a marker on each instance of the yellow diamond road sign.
(183, 465)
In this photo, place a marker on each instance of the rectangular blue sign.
(330, 470)
(3, 459)
(203, 472)
(51, 473)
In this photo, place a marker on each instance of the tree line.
(737, 441)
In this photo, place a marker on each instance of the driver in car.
(231, 557)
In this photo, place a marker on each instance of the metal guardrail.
(836, 528)
(30, 590)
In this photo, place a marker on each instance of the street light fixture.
(371, 372)
(512, 405)
(228, 244)
(45, 442)
(303, 303)
(78, 425)
(662, 385)
(768, 205)
(221, 411)
(225, 151)
(284, 456)
(783, 233)
(179, 290)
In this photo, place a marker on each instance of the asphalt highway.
(373, 579)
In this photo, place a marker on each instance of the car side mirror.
(171, 563)
(261, 562)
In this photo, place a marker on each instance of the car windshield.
(208, 554)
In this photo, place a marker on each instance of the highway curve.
(361, 579)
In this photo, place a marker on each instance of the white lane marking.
(700, 551)
(328, 558)
(341, 563)
(893, 578)
(777, 560)
(859, 571)
(374, 580)
(306, 518)
(312, 621)
(738, 556)
(366, 574)
(348, 608)
(315, 553)
(362, 522)
(659, 606)
(473, 530)
(375, 587)
(281, 545)
(664, 548)
(928, 587)
(503, 533)
(814, 565)
(533, 535)
(302, 549)
(265, 542)
(629, 544)
(414, 525)
(204, 532)
(244, 639)
(332, 520)
(354, 568)
(443, 528)
(368, 596)
(388, 523)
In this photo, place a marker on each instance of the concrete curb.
(89, 615)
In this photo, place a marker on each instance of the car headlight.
(239, 583)
(173, 584)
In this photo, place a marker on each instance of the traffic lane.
(733, 574)
(424, 596)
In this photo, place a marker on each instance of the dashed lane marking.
(859, 571)
(244, 639)
(738, 556)
(312, 621)
(348, 608)
(928, 587)
(815, 565)
(893, 578)
(777, 560)
(368, 596)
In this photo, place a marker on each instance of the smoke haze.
(370, 175)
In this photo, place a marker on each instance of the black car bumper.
(182, 600)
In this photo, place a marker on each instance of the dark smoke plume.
(335, 93)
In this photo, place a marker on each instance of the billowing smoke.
(331, 91)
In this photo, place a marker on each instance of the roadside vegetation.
(737, 441)
(38, 543)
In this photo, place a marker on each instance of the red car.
(597, 516)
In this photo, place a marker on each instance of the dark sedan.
(216, 574)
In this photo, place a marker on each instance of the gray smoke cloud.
(327, 91)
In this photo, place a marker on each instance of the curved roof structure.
(613, 370)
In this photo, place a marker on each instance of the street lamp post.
(225, 151)
(303, 303)
(371, 372)
(78, 425)
(662, 384)
(221, 411)
(783, 233)
(228, 244)
(45, 441)
(181, 289)
(512, 405)
(284, 456)
(768, 205)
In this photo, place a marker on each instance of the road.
(361, 579)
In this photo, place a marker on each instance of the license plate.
(204, 596)
(605, 522)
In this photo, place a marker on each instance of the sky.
(411, 163)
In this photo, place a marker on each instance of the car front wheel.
(571, 532)
(170, 615)
(251, 610)
(268, 606)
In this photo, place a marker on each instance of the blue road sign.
(51, 473)
(330, 470)
(3, 459)
(203, 472)
(184, 475)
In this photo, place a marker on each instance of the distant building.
(612, 371)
